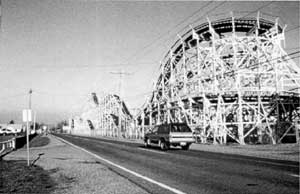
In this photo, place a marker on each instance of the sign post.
(27, 119)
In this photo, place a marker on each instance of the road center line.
(125, 169)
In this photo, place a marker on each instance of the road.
(194, 171)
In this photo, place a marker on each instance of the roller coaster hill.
(104, 115)
(230, 80)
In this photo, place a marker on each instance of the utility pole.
(120, 73)
(27, 122)
(34, 121)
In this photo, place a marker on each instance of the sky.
(66, 49)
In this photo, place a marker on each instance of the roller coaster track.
(228, 79)
(105, 116)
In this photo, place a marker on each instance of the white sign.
(27, 115)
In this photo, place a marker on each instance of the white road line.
(295, 175)
(125, 169)
(148, 150)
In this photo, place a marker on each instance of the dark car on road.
(173, 134)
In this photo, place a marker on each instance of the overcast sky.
(66, 49)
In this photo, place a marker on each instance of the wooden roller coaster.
(228, 79)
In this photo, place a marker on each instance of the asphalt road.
(194, 171)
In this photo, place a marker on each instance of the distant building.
(66, 129)
(17, 128)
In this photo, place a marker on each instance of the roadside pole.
(120, 73)
(26, 118)
(34, 119)
(27, 140)
(28, 129)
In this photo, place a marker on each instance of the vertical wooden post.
(184, 65)
(143, 124)
(204, 117)
(150, 116)
(240, 113)
(168, 113)
(171, 79)
(158, 113)
(297, 132)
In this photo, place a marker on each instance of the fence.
(14, 143)
(7, 146)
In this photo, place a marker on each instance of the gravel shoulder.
(74, 171)
(288, 152)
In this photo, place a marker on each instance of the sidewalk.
(75, 171)
(288, 152)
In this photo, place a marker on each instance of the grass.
(39, 141)
(17, 177)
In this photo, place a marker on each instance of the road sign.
(27, 115)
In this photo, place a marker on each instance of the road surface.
(193, 171)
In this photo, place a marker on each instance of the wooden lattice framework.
(228, 78)
(105, 116)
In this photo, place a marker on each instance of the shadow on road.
(158, 148)
(39, 156)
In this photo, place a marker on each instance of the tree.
(61, 124)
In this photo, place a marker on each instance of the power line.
(261, 7)
(190, 23)
(18, 67)
(121, 74)
(167, 32)
(139, 94)
(294, 48)
(40, 92)
(199, 18)
(14, 96)
(249, 13)
(143, 49)
(290, 54)
(214, 8)
(292, 29)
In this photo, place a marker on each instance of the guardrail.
(7, 145)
